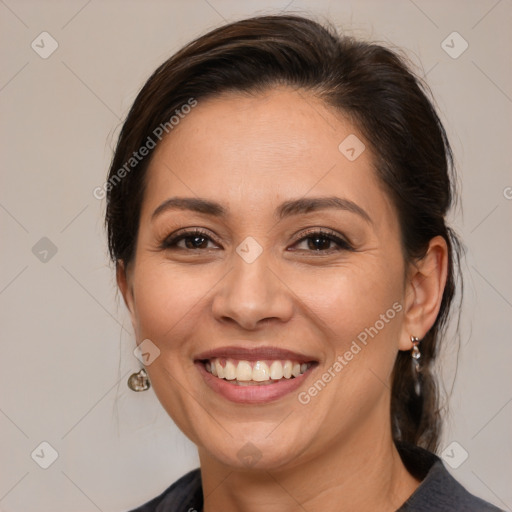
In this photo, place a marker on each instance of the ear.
(123, 282)
(424, 292)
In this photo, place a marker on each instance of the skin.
(250, 153)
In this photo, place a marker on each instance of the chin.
(255, 452)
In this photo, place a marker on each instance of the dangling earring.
(139, 381)
(416, 355)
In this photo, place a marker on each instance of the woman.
(276, 211)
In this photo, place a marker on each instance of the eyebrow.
(307, 205)
(286, 209)
(194, 204)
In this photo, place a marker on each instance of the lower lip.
(257, 394)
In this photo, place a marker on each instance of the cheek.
(358, 312)
(348, 300)
(166, 299)
(357, 309)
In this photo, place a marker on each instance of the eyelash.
(343, 245)
(172, 241)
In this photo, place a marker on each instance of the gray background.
(66, 339)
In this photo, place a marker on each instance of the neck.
(363, 473)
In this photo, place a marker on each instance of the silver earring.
(139, 381)
(416, 355)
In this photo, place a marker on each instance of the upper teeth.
(258, 371)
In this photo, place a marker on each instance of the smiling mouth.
(242, 372)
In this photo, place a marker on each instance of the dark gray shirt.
(438, 491)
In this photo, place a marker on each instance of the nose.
(252, 294)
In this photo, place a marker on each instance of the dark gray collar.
(438, 491)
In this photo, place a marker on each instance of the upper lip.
(254, 354)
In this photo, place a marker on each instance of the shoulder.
(438, 491)
(184, 495)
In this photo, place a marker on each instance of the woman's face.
(259, 291)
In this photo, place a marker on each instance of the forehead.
(252, 151)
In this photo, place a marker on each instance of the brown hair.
(368, 82)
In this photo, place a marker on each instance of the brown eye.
(195, 242)
(319, 243)
(188, 240)
(323, 241)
